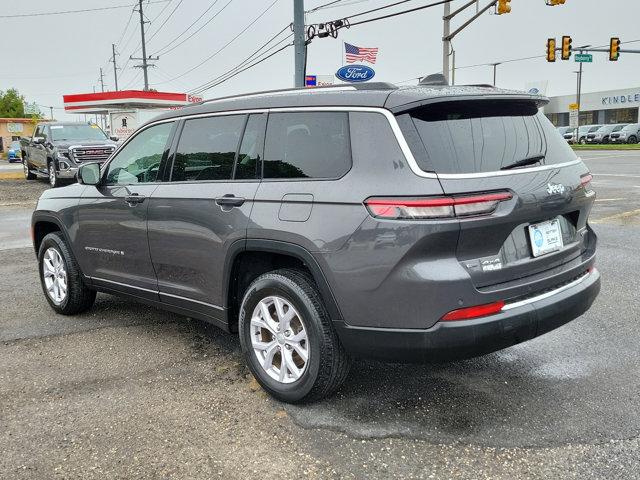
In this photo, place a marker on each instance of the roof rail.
(435, 79)
(285, 91)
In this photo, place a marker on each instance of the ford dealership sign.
(355, 73)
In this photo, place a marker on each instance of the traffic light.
(553, 3)
(566, 48)
(504, 6)
(614, 49)
(551, 50)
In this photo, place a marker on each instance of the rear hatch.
(489, 146)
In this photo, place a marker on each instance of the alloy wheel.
(55, 275)
(52, 175)
(279, 339)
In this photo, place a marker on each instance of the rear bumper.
(518, 322)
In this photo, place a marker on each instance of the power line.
(165, 20)
(251, 57)
(163, 51)
(340, 5)
(65, 12)
(210, 57)
(323, 6)
(229, 77)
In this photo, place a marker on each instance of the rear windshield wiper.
(525, 162)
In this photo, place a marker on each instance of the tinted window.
(251, 148)
(481, 136)
(307, 145)
(139, 160)
(207, 148)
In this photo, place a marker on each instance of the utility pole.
(115, 66)
(446, 42)
(51, 112)
(101, 79)
(145, 64)
(299, 42)
(495, 72)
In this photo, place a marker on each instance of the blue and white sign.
(355, 73)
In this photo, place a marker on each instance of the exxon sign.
(355, 73)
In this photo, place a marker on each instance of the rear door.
(204, 207)
(479, 147)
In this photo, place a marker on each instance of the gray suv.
(406, 224)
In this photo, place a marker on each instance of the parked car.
(583, 131)
(628, 134)
(602, 135)
(406, 224)
(57, 149)
(14, 153)
(564, 130)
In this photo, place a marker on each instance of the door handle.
(229, 200)
(134, 199)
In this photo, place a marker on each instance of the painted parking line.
(610, 199)
(628, 175)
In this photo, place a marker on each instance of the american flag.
(355, 54)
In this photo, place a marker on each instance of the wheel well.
(41, 230)
(248, 266)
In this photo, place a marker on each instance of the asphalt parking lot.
(127, 391)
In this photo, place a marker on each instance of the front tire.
(632, 139)
(53, 174)
(28, 174)
(288, 339)
(61, 278)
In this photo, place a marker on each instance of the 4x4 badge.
(555, 188)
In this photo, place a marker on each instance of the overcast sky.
(45, 57)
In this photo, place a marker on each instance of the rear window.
(482, 136)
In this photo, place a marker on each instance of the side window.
(207, 148)
(251, 148)
(139, 160)
(40, 131)
(307, 145)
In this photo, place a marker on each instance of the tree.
(11, 104)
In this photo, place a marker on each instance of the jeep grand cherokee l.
(406, 224)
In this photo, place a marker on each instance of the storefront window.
(621, 115)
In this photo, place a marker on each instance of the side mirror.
(38, 140)
(114, 138)
(89, 174)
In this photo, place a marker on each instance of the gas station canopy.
(104, 102)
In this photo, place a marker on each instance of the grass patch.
(609, 146)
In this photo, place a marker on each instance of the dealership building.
(614, 106)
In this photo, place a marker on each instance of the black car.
(407, 224)
(57, 149)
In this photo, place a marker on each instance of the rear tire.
(71, 296)
(326, 365)
(583, 141)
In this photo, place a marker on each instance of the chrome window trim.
(543, 296)
(395, 127)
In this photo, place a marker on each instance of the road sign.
(574, 106)
(573, 118)
(583, 57)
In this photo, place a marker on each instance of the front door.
(112, 218)
(205, 207)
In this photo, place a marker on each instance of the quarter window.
(207, 148)
(307, 145)
(139, 160)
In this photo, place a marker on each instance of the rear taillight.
(585, 180)
(435, 207)
(474, 312)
